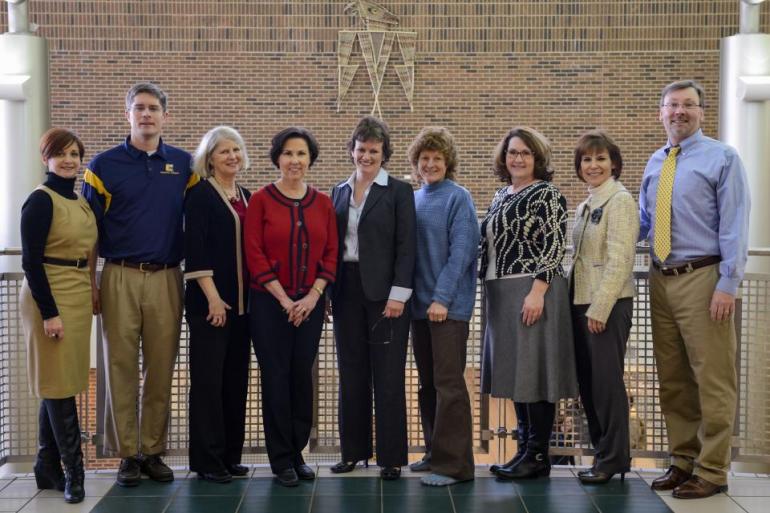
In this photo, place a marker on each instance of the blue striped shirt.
(709, 207)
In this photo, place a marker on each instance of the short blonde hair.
(207, 145)
(436, 138)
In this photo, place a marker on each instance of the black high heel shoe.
(343, 467)
(593, 476)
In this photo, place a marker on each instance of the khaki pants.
(695, 357)
(148, 306)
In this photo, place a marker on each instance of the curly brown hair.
(436, 138)
(536, 142)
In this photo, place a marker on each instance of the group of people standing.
(266, 268)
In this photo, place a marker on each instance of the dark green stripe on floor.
(371, 495)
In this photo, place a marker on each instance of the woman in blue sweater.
(444, 293)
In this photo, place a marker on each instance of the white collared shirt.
(350, 251)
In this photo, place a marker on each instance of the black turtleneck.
(36, 214)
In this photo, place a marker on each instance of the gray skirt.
(528, 363)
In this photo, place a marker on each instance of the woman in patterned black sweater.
(528, 350)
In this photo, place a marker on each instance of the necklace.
(231, 193)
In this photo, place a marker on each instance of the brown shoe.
(673, 477)
(697, 488)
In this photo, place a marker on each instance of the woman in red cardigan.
(291, 251)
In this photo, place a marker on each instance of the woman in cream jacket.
(604, 236)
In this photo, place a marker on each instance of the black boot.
(522, 430)
(535, 462)
(48, 473)
(63, 414)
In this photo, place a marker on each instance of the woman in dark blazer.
(215, 306)
(376, 227)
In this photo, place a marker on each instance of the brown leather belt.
(686, 268)
(80, 262)
(147, 267)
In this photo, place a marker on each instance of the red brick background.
(482, 67)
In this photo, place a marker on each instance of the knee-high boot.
(535, 461)
(522, 433)
(48, 473)
(63, 414)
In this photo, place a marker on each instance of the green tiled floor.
(370, 494)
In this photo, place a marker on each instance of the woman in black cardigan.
(216, 307)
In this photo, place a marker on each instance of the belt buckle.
(78, 263)
(688, 268)
(142, 269)
(675, 271)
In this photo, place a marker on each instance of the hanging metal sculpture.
(377, 39)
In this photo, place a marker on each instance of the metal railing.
(492, 418)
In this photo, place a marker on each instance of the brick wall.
(482, 67)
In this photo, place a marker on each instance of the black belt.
(80, 262)
(147, 267)
(686, 268)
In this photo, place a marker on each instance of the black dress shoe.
(673, 477)
(154, 467)
(595, 477)
(129, 473)
(390, 473)
(584, 472)
(220, 476)
(238, 470)
(287, 477)
(343, 467)
(697, 488)
(304, 472)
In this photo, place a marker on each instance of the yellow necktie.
(662, 240)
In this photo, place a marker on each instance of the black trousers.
(440, 350)
(285, 354)
(219, 380)
(599, 360)
(365, 363)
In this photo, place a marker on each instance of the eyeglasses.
(381, 331)
(524, 154)
(685, 106)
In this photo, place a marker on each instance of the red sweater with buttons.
(290, 240)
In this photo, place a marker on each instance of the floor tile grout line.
(521, 498)
(315, 485)
(8, 483)
(173, 496)
(737, 503)
(245, 490)
(451, 499)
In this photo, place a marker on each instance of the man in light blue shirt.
(694, 279)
